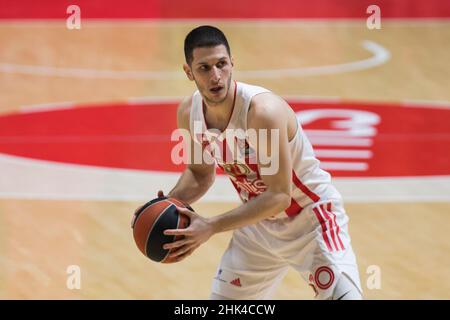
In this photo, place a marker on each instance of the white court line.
(435, 104)
(328, 133)
(134, 101)
(350, 166)
(337, 141)
(26, 178)
(23, 178)
(43, 107)
(343, 154)
(291, 98)
(380, 55)
(77, 138)
(88, 73)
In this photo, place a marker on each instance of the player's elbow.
(210, 178)
(283, 200)
(207, 180)
(286, 201)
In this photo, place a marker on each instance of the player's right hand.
(160, 195)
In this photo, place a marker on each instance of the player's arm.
(265, 114)
(196, 178)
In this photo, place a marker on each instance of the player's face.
(211, 69)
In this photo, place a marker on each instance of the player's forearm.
(191, 186)
(262, 207)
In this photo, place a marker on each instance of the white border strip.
(229, 22)
(24, 178)
(290, 98)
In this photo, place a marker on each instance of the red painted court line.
(249, 9)
(119, 136)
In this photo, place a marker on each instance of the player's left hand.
(199, 231)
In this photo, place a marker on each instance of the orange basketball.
(151, 220)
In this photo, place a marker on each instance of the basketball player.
(292, 217)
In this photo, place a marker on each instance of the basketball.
(151, 220)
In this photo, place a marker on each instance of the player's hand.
(133, 219)
(199, 231)
(160, 195)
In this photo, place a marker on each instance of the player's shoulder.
(266, 106)
(183, 112)
(267, 100)
(185, 104)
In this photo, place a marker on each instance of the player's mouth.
(216, 89)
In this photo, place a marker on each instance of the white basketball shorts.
(316, 243)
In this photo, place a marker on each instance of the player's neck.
(217, 115)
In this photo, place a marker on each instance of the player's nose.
(215, 74)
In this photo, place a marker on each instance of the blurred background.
(88, 96)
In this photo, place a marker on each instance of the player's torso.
(236, 156)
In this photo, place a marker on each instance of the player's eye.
(204, 68)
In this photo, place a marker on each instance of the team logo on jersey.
(256, 186)
(236, 169)
(324, 277)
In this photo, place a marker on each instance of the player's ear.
(188, 71)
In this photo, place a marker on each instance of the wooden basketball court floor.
(40, 238)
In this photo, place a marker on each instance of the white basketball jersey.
(309, 183)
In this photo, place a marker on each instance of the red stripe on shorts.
(335, 223)
(332, 227)
(324, 228)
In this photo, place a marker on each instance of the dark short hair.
(203, 36)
